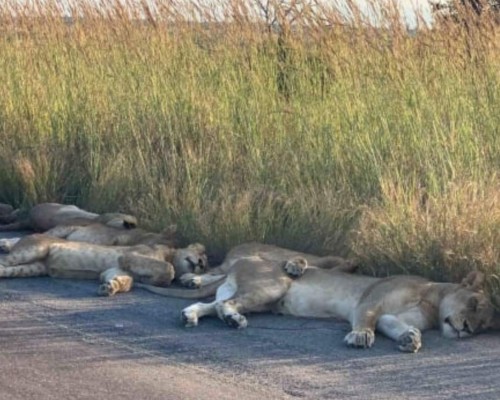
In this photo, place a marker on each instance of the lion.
(98, 233)
(117, 267)
(399, 307)
(45, 216)
(263, 251)
(111, 229)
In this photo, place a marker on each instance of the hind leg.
(194, 281)
(28, 250)
(6, 245)
(61, 231)
(231, 311)
(24, 271)
(190, 315)
(114, 280)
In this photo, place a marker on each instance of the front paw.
(191, 281)
(363, 338)
(410, 341)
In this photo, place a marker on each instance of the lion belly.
(65, 261)
(310, 301)
(324, 294)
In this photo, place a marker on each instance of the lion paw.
(410, 341)
(107, 289)
(191, 281)
(295, 267)
(235, 320)
(362, 339)
(189, 318)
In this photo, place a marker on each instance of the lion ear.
(474, 280)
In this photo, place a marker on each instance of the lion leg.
(114, 280)
(231, 311)
(61, 231)
(363, 323)
(194, 281)
(6, 245)
(409, 338)
(24, 271)
(190, 315)
(28, 250)
(337, 263)
(147, 270)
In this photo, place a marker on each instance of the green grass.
(356, 141)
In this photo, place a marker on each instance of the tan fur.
(39, 254)
(399, 307)
(98, 233)
(45, 216)
(209, 282)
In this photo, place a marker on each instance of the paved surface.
(58, 340)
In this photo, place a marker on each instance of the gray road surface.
(58, 340)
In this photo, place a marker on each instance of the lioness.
(266, 252)
(45, 216)
(117, 267)
(399, 307)
(97, 233)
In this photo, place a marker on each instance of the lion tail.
(24, 271)
(204, 291)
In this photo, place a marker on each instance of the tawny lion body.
(45, 216)
(252, 250)
(116, 266)
(399, 307)
(71, 223)
(98, 233)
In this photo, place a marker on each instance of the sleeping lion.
(72, 223)
(45, 216)
(399, 307)
(116, 266)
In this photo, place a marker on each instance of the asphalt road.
(58, 340)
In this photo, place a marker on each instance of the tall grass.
(296, 130)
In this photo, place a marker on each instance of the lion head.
(191, 259)
(466, 310)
